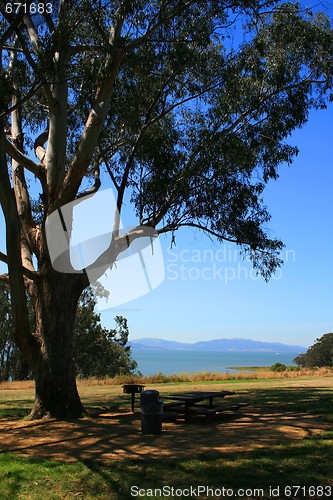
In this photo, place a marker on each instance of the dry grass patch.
(244, 374)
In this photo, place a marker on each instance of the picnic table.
(187, 403)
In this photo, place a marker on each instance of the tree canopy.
(319, 354)
(184, 107)
(190, 123)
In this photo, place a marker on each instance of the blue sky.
(208, 293)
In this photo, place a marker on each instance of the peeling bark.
(36, 168)
(20, 185)
(55, 157)
(89, 138)
(22, 333)
(39, 145)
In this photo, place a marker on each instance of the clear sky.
(210, 293)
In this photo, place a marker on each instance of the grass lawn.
(270, 445)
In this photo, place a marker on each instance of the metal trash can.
(151, 408)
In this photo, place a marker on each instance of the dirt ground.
(118, 435)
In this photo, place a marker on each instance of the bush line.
(160, 378)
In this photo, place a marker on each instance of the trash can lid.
(149, 396)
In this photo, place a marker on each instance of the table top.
(197, 395)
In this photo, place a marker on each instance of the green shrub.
(278, 367)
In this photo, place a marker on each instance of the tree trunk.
(53, 366)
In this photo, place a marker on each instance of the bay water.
(168, 361)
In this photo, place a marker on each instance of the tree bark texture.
(53, 366)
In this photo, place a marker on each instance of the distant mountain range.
(216, 345)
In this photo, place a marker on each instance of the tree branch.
(49, 21)
(265, 97)
(112, 177)
(77, 49)
(36, 85)
(11, 28)
(12, 49)
(98, 27)
(55, 156)
(29, 273)
(122, 187)
(4, 279)
(175, 226)
(33, 35)
(164, 19)
(39, 145)
(22, 198)
(3, 257)
(118, 244)
(99, 110)
(37, 50)
(22, 332)
(36, 168)
(96, 117)
(97, 183)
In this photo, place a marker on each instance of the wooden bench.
(195, 402)
(174, 406)
(200, 409)
(211, 410)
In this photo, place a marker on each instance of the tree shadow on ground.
(310, 400)
(273, 415)
(283, 465)
(279, 436)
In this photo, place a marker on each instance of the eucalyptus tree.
(183, 105)
(319, 354)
